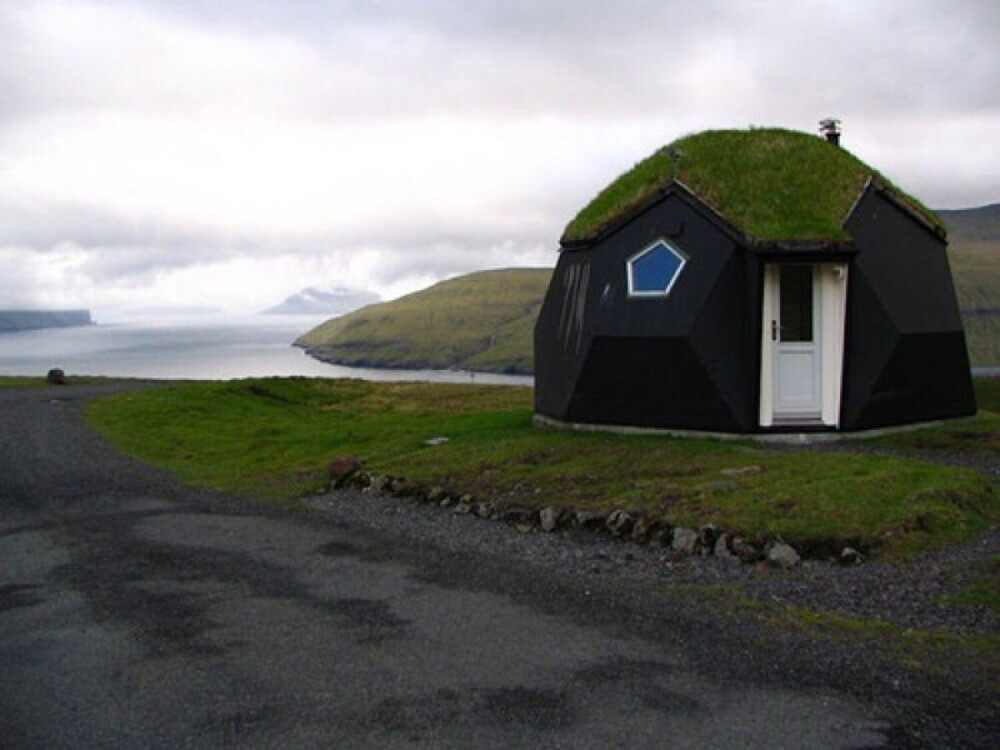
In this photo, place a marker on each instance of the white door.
(794, 331)
(802, 347)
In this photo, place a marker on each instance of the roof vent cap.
(830, 129)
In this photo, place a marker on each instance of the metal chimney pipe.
(830, 128)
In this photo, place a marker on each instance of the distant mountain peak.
(324, 300)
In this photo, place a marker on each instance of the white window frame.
(678, 253)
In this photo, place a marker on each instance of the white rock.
(549, 518)
(684, 541)
(781, 555)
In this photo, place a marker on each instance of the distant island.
(26, 320)
(322, 301)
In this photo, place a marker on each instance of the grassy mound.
(483, 321)
(772, 184)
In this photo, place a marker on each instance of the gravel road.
(137, 612)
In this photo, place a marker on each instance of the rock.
(435, 494)
(56, 376)
(684, 541)
(661, 535)
(342, 468)
(484, 510)
(619, 522)
(589, 519)
(707, 535)
(781, 555)
(517, 515)
(399, 486)
(744, 549)
(721, 548)
(462, 508)
(850, 556)
(436, 441)
(379, 483)
(644, 528)
(549, 518)
(742, 471)
(361, 480)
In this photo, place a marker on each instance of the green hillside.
(483, 321)
(974, 251)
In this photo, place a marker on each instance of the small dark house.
(752, 281)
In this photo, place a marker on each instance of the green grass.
(770, 183)
(483, 321)
(273, 439)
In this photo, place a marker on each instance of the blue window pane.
(654, 270)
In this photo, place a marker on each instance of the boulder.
(781, 555)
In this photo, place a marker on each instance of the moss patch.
(771, 184)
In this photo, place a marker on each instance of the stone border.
(346, 472)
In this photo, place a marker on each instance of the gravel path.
(908, 594)
(698, 606)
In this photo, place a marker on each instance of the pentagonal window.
(652, 272)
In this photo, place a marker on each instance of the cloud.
(162, 150)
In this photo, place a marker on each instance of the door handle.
(774, 330)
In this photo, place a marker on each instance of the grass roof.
(771, 184)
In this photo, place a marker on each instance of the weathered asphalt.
(137, 612)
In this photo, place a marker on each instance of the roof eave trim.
(876, 185)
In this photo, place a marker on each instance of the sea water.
(213, 347)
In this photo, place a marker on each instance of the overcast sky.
(231, 152)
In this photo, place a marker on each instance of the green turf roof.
(774, 185)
